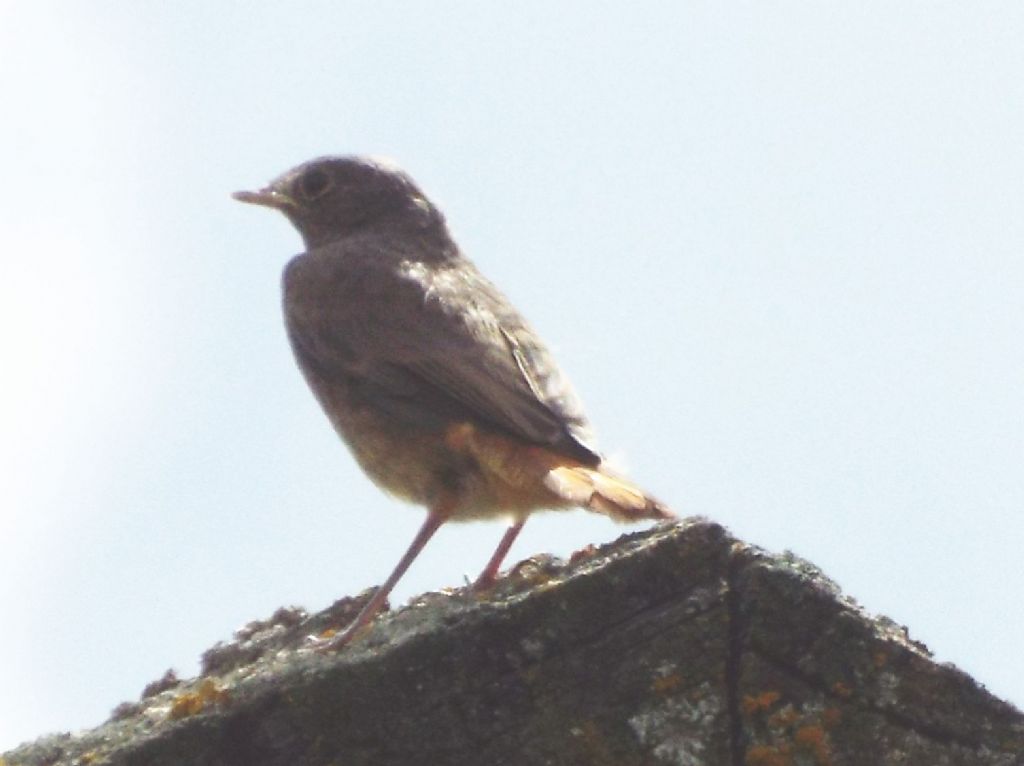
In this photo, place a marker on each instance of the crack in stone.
(735, 639)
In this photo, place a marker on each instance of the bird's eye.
(314, 184)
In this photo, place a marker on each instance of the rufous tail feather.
(599, 492)
(520, 467)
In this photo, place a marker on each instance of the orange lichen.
(784, 718)
(790, 733)
(765, 755)
(831, 716)
(204, 695)
(753, 703)
(880, 658)
(840, 689)
(814, 739)
(666, 684)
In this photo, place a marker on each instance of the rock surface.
(678, 645)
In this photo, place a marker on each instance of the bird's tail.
(601, 492)
(533, 477)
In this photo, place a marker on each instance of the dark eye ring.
(314, 184)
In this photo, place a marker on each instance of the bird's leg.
(435, 518)
(490, 573)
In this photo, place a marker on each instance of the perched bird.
(442, 391)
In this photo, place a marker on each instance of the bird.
(445, 395)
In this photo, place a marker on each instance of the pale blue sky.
(778, 246)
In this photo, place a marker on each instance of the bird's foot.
(485, 582)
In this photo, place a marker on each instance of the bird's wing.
(436, 345)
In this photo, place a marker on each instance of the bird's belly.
(410, 463)
(425, 465)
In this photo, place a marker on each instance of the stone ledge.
(676, 645)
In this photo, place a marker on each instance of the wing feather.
(431, 344)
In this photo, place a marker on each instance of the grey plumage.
(390, 308)
(442, 391)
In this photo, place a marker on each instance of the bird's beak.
(269, 197)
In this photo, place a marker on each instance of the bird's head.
(332, 197)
